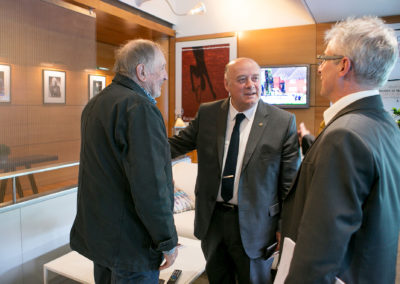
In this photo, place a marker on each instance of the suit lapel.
(258, 127)
(221, 129)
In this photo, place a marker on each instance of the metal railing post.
(14, 189)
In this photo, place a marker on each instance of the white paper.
(286, 259)
(284, 265)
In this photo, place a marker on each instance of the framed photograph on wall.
(5, 79)
(53, 87)
(96, 84)
(200, 67)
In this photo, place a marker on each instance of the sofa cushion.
(182, 202)
(184, 175)
(184, 223)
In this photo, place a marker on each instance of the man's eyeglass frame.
(324, 58)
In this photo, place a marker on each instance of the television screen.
(285, 86)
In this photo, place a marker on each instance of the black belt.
(225, 206)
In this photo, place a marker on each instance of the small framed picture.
(96, 84)
(5, 79)
(53, 87)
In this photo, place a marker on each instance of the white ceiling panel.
(333, 10)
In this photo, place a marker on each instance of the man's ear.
(345, 66)
(140, 72)
(226, 85)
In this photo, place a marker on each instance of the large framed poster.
(200, 69)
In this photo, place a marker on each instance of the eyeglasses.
(323, 58)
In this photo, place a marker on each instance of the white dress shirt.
(345, 101)
(244, 131)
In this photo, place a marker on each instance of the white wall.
(33, 233)
(229, 15)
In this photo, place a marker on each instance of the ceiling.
(333, 10)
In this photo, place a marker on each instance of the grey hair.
(371, 46)
(133, 53)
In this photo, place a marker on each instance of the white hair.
(133, 53)
(369, 43)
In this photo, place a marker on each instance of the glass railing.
(16, 187)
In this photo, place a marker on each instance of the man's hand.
(302, 131)
(169, 259)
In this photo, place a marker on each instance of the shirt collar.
(345, 101)
(148, 95)
(130, 83)
(247, 113)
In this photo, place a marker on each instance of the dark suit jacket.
(306, 142)
(125, 191)
(343, 211)
(270, 163)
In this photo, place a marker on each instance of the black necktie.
(228, 177)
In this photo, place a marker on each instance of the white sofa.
(184, 174)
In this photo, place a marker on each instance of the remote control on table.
(174, 276)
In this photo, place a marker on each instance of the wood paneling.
(113, 18)
(171, 87)
(290, 45)
(202, 37)
(319, 100)
(38, 35)
(115, 30)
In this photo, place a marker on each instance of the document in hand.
(286, 259)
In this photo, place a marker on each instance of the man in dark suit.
(343, 211)
(237, 230)
(125, 219)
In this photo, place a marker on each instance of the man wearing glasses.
(343, 211)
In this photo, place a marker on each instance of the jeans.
(106, 275)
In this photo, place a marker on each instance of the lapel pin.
(260, 124)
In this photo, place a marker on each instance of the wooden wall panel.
(171, 87)
(290, 45)
(319, 100)
(162, 101)
(37, 36)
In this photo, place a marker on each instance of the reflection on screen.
(285, 85)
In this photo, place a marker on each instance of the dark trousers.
(226, 258)
(106, 275)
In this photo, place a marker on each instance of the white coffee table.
(77, 267)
